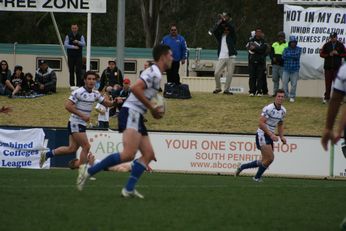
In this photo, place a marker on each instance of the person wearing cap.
(46, 78)
(121, 95)
(16, 81)
(178, 46)
(74, 43)
(291, 57)
(226, 40)
(332, 51)
(277, 49)
(111, 77)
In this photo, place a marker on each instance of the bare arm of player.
(71, 107)
(263, 126)
(281, 132)
(333, 109)
(138, 90)
(342, 125)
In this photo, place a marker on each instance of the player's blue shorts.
(75, 127)
(129, 118)
(263, 140)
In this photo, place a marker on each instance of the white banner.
(217, 153)
(312, 27)
(313, 2)
(21, 148)
(66, 6)
(339, 161)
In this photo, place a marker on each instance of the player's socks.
(50, 154)
(260, 171)
(137, 169)
(111, 160)
(253, 164)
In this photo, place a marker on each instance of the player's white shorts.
(129, 118)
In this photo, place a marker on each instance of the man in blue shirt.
(74, 43)
(178, 46)
(291, 57)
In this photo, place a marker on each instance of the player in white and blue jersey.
(271, 117)
(334, 104)
(131, 124)
(79, 104)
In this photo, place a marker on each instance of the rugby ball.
(159, 101)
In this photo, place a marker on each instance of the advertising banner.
(313, 2)
(339, 160)
(312, 28)
(21, 148)
(220, 153)
(66, 6)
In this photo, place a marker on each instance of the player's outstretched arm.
(333, 109)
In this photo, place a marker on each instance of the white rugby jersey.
(152, 79)
(273, 116)
(84, 101)
(340, 81)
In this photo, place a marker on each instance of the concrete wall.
(309, 88)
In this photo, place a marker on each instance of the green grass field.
(204, 112)
(48, 200)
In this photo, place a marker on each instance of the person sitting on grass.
(122, 94)
(16, 81)
(5, 76)
(46, 78)
(29, 86)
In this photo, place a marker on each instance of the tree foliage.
(147, 21)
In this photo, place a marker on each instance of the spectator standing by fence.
(277, 50)
(226, 38)
(257, 60)
(291, 58)
(333, 51)
(74, 43)
(178, 46)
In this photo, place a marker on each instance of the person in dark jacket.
(178, 46)
(74, 43)
(333, 51)
(277, 49)
(5, 77)
(226, 51)
(29, 86)
(257, 48)
(16, 81)
(46, 78)
(111, 77)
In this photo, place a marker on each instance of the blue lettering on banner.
(16, 164)
(21, 153)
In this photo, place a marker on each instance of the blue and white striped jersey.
(152, 79)
(84, 101)
(340, 81)
(273, 116)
